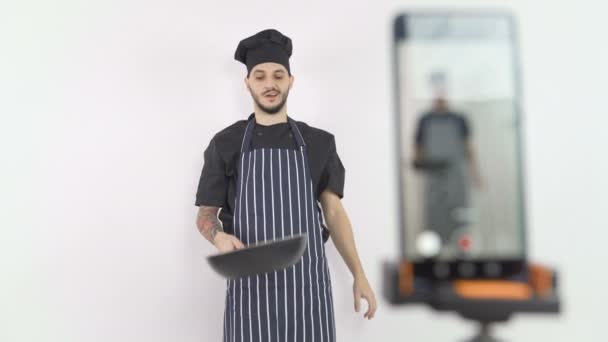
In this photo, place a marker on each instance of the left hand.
(361, 289)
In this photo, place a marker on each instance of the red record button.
(465, 242)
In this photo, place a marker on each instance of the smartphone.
(459, 144)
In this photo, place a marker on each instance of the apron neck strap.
(296, 132)
(246, 144)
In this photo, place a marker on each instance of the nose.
(269, 85)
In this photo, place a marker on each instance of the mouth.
(271, 95)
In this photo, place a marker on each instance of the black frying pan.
(262, 257)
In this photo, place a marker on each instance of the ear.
(291, 79)
(247, 83)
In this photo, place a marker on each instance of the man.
(266, 176)
(443, 144)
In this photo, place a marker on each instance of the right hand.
(225, 242)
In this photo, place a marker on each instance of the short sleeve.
(332, 176)
(420, 130)
(466, 130)
(213, 183)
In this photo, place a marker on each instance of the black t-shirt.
(459, 120)
(217, 184)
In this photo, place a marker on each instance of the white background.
(106, 108)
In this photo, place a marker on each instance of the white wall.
(107, 106)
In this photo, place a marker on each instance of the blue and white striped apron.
(275, 199)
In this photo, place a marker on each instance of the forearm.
(208, 223)
(344, 240)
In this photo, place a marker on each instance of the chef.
(269, 177)
(444, 136)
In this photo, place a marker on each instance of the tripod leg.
(484, 334)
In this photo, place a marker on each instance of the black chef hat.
(265, 46)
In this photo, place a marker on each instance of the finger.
(369, 306)
(375, 306)
(357, 301)
(237, 243)
(225, 247)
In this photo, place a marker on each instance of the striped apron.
(275, 199)
(446, 190)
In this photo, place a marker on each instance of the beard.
(271, 109)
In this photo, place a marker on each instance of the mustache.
(271, 91)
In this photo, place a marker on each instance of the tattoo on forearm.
(208, 223)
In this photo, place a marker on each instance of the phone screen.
(459, 137)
